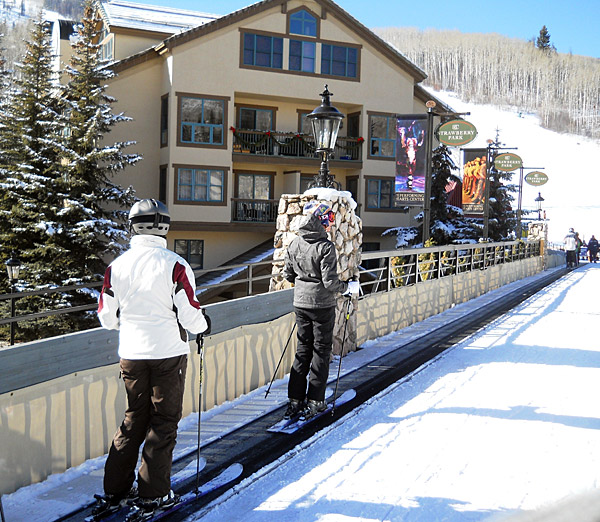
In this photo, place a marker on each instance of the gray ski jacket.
(311, 264)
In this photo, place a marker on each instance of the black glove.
(207, 318)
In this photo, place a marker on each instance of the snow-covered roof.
(154, 18)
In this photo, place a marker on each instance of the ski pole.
(280, 359)
(341, 353)
(200, 343)
(2, 510)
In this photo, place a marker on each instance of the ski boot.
(146, 508)
(312, 408)
(106, 505)
(294, 409)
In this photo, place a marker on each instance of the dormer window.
(303, 23)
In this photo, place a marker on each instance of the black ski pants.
(154, 407)
(313, 354)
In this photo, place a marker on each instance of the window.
(304, 124)
(255, 119)
(302, 22)
(254, 186)
(107, 49)
(302, 56)
(162, 184)
(382, 136)
(202, 120)
(192, 250)
(164, 120)
(305, 181)
(379, 193)
(200, 184)
(263, 51)
(339, 61)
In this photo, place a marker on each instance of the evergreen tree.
(542, 42)
(448, 224)
(502, 221)
(94, 213)
(30, 145)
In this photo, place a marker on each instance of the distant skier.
(149, 296)
(570, 242)
(311, 264)
(593, 249)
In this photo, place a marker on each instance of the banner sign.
(536, 178)
(474, 180)
(456, 133)
(508, 162)
(411, 158)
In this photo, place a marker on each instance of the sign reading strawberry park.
(455, 133)
(536, 178)
(508, 162)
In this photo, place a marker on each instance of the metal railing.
(254, 210)
(380, 271)
(286, 144)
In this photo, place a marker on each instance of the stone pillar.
(346, 235)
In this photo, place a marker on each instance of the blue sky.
(573, 25)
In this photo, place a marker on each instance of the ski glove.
(207, 318)
(353, 289)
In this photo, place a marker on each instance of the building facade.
(219, 107)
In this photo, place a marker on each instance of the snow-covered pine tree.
(95, 205)
(448, 223)
(502, 221)
(30, 146)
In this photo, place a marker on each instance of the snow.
(329, 194)
(506, 421)
(569, 161)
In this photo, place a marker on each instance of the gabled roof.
(223, 21)
(157, 19)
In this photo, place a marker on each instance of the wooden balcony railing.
(254, 210)
(285, 144)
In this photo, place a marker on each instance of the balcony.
(291, 145)
(254, 210)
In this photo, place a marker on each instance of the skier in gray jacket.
(311, 264)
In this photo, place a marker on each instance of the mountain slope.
(572, 194)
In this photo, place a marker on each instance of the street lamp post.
(539, 201)
(325, 121)
(13, 266)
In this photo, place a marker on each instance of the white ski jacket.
(149, 296)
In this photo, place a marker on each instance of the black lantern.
(325, 121)
(538, 201)
(13, 267)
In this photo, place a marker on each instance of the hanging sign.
(474, 181)
(508, 162)
(536, 178)
(411, 159)
(456, 133)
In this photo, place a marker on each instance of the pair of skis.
(225, 477)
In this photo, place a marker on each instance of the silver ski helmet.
(149, 217)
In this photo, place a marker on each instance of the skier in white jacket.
(149, 296)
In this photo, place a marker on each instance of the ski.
(225, 477)
(293, 425)
(286, 422)
(176, 480)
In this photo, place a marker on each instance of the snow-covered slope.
(572, 194)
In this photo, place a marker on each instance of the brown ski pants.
(154, 407)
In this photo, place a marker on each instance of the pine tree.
(448, 224)
(30, 145)
(543, 41)
(94, 208)
(502, 221)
